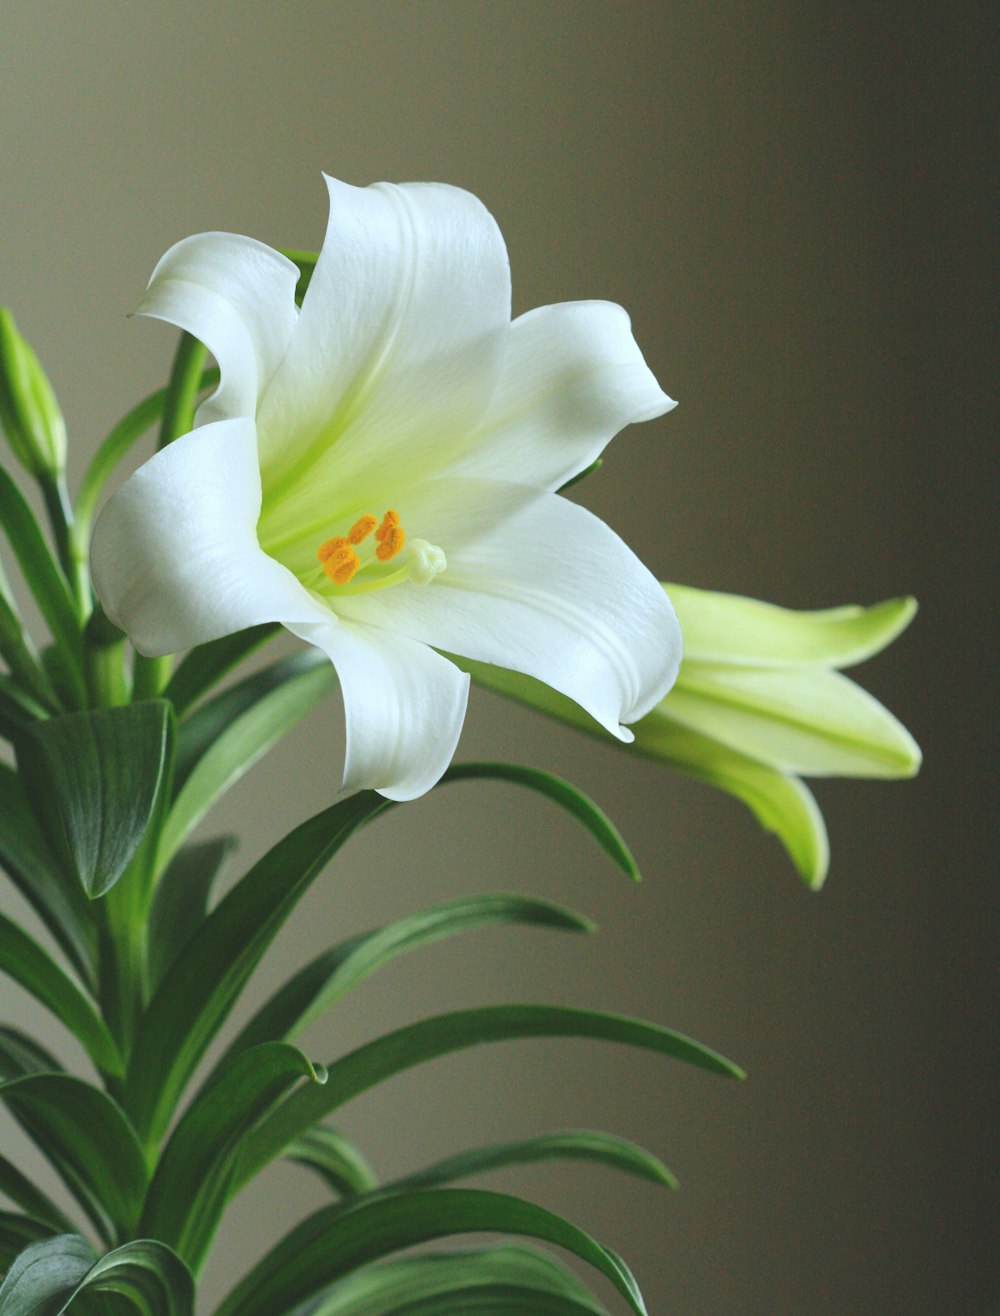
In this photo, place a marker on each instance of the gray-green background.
(789, 200)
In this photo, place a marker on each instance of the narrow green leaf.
(47, 1278)
(181, 900)
(337, 1240)
(337, 1161)
(27, 963)
(43, 578)
(497, 1300)
(416, 1284)
(93, 778)
(568, 1144)
(229, 739)
(328, 977)
(45, 1274)
(18, 1232)
(21, 1054)
(208, 663)
(149, 1274)
(88, 1140)
(559, 792)
(56, 898)
(27, 1195)
(205, 980)
(423, 1041)
(190, 1187)
(17, 708)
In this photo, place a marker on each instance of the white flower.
(378, 472)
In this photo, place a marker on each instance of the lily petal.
(729, 628)
(175, 557)
(237, 296)
(552, 592)
(806, 720)
(399, 343)
(404, 706)
(573, 377)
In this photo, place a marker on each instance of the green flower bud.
(29, 411)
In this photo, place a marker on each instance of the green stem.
(105, 662)
(182, 389)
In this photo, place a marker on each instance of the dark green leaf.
(339, 1239)
(568, 1144)
(497, 1300)
(48, 1277)
(205, 980)
(43, 578)
(435, 1281)
(560, 792)
(20, 1190)
(88, 1140)
(326, 978)
(56, 898)
(336, 1160)
(21, 1054)
(17, 708)
(423, 1041)
(209, 663)
(28, 964)
(18, 1232)
(43, 1276)
(181, 900)
(226, 737)
(190, 1188)
(93, 779)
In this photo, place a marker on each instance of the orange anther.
(389, 523)
(341, 564)
(362, 528)
(330, 547)
(391, 544)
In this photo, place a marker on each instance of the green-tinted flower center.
(356, 563)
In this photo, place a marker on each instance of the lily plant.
(375, 464)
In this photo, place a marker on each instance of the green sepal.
(335, 1241)
(417, 1043)
(48, 1277)
(560, 792)
(205, 980)
(56, 897)
(341, 1166)
(89, 1142)
(329, 976)
(191, 1185)
(225, 737)
(29, 411)
(444, 1280)
(24, 960)
(93, 780)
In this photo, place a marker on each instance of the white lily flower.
(378, 473)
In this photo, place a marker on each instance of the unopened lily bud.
(29, 411)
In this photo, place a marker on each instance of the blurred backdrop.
(790, 199)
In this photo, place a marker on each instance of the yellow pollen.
(340, 562)
(362, 528)
(392, 543)
(389, 523)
